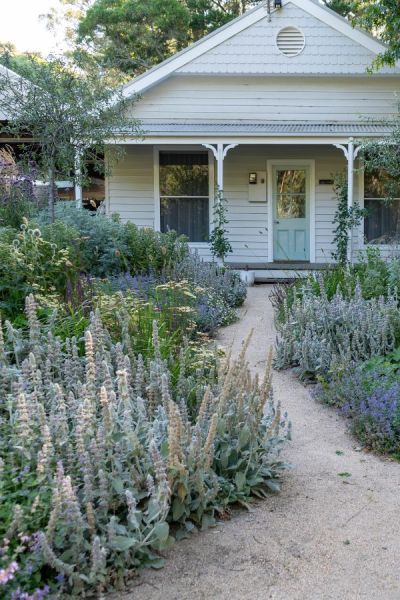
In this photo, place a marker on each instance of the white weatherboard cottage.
(268, 108)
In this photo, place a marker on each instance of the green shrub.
(96, 241)
(30, 264)
(103, 246)
(151, 251)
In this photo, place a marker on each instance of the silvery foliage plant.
(114, 456)
(317, 335)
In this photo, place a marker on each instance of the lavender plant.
(368, 394)
(101, 453)
(210, 291)
(224, 282)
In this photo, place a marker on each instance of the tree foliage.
(343, 7)
(66, 111)
(382, 17)
(134, 35)
(17, 61)
(382, 159)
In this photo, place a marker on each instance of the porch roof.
(262, 128)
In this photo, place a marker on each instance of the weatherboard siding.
(243, 98)
(131, 187)
(131, 195)
(254, 50)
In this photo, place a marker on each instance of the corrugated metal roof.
(264, 128)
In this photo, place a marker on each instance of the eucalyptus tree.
(67, 113)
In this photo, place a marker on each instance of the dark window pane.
(187, 158)
(186, 216)
(184, 174)
(382, 223)
(378, 184)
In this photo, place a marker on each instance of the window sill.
(364, 246)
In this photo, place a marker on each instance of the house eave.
(238, 139)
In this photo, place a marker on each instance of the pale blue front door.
(291, 213)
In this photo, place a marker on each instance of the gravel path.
(324, 537)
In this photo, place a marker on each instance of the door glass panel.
(291, 187)
(291, 181)
(291, 206)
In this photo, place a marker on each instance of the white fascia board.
(174, 63)
(329, 17)
(267, 141)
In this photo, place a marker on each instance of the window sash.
(184, 193)
(188, 215)
(184, 174)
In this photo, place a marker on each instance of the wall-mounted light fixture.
(253, 178)
(278, 3)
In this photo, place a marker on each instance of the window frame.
(361, 232)
(211, 184)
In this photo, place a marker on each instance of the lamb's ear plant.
(318, 335)
(219, 241)
(112, 460)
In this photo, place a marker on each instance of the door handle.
(276, 222)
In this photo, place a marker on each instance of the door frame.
(287, 162)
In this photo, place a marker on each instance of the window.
(185, 194)
(382, 223)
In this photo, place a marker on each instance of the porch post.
(351, 154)
(220, 166)
(350, 193)
(78, 183)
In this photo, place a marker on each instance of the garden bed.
(121, 428)
(341, 330)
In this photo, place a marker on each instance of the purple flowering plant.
(369, 395)
(17, 195)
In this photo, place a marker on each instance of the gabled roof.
(214, 39)
(5, 71)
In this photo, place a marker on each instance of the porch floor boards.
(278, 266)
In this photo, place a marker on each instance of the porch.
(278, 271)
(279, 190)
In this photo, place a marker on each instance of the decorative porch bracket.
(351, 153)
(220, 151)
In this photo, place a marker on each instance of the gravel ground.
(324, 537)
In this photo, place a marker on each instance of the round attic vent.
(290, 41)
